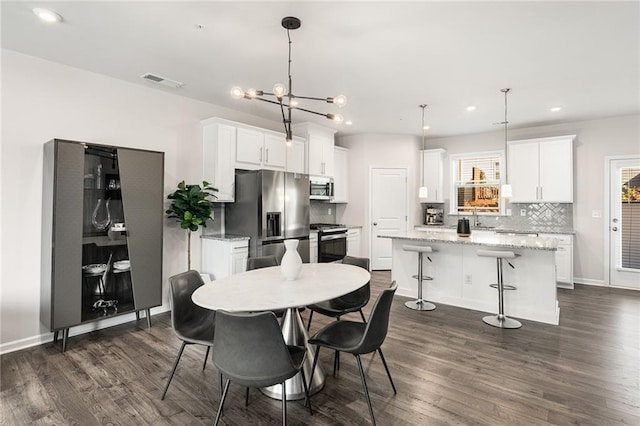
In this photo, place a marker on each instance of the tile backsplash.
(538, 215)
(320, 212)
(558, 215)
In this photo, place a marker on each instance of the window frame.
(454, 159)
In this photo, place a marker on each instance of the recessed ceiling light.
(348, 122)
(471, 108)
(426, 128)
(555, 109)
(47, 15)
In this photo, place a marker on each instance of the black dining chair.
(359, 338)
(250, 350)
(351, 302)
(192, 324)
(259, 262)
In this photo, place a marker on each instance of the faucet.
(476, 223)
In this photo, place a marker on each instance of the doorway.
(388, 212)
(623, 229)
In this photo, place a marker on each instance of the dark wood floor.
(449, 368)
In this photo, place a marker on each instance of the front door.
(388, 212)
(624, 222)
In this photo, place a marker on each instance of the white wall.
(369, 150)
(43, 100)
(595, 140)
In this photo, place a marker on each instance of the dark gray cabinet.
(101, 233)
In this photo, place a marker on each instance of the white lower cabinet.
(353, 242)
(222, 257)
(564, 259)
(313, 247)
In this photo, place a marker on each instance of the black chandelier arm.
(327, 100)
(268, 100)
(309, 111)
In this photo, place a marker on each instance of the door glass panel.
(106, 279)
(630, 218)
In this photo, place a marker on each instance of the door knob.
(614, 228)
(375, 223)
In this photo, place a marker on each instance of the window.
(476, 183)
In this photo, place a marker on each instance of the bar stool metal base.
(504, 322)
(420, 305)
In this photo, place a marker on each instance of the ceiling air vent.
(161, 80)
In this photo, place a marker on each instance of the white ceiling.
(387, 57)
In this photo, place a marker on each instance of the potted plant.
(191, 206)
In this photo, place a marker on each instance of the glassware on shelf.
(101, 217)
(99, 177)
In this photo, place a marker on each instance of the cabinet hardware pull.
(266, 160)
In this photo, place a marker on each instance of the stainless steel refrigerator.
(270, 207)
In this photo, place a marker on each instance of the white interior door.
(388, 212)
(624, 222)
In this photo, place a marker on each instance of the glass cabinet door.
(106, 270)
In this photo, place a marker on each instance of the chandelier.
(284, 96)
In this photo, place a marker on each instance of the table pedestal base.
(295, 333)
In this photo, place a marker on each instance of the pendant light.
(423, 192)
(505, 190)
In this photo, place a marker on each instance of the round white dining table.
(266, 290)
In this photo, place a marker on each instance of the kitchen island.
(462, 278)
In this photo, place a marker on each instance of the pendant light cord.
(506, 147)
(423, 106)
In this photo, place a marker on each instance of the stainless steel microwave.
(320, 188)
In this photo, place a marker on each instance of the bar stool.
(500, 320)
(420, 304)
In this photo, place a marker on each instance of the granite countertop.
(507, 229)
(224, 237)
(494, 240)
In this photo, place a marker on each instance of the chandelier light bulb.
(336, 117)
(237, 92)
(340, 101)
(252, 93)
(279, 90)
(294, 102)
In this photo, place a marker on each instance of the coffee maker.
(433, 216)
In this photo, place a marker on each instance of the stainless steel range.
(332, 241)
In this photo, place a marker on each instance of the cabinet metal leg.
(65, 336)
(137, 315)
(147, 313)
(55, 336)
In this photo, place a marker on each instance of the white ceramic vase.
(291, 264)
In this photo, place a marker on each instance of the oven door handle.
(333, 237)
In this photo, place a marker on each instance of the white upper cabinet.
(320, 143)
(340, 176)
(256, 149)
(296, 156)
(218, 156)
(433, 175)
(541, 170)
(275, 151)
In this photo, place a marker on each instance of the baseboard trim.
(588, 281)
(40, 339)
